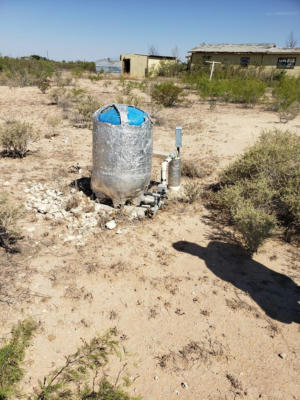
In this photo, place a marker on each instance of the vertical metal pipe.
(174, 174)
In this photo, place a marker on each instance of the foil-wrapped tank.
(122, 153)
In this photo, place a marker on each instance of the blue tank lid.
(111, 115)
(136, 116)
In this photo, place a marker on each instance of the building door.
(126, 66)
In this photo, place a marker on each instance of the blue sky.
(93, 29)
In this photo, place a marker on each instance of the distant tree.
(291, 41)
(152, 51)
(175, 52)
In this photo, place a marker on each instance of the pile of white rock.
(81, 214)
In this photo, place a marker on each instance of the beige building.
(141, 65)
(247, 55)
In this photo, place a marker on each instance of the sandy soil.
(199, 319)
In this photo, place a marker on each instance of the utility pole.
(212, 67)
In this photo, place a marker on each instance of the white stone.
(111, 224)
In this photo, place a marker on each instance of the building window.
(244, 61)
(286, 62)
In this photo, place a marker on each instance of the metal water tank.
(122, 152)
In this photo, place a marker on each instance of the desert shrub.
(107, 83)
(166, 93)
(254, 224)
(143, 86)
(98, 76)
(285, 92)
(192, 191)
(290, 112)
(28, 71)
(261, 190)
(15, 137)
(10, 213)
(228, 71)
(84, 109)
(60, 80)
(66, 98)
(83, 374)
(286, 97)
(127, 87)
(53, 121)
(170, 69)
(11, 358)
(76, 94)
(57, 94)
(25, 72)
(235, 90)
(133, 100)
(44, 84)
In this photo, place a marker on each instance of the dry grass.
(10, 213)
(192, 191)
(193, 353)
(200, 167)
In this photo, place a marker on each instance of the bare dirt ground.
(199, 318)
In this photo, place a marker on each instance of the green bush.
(29, 71)
(286, 92)
(166, 93)
(83, 374)
(228, 71)
(15, 137)
(248, 91)
(254, 224)
(11, 357)
(261, 190)
(25, 72)
(170, 69)
(286, 98)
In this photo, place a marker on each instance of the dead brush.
(235, 383)
(10, 213)
(238, 304)
(118, 266)
(53, 122)
(15, 137)
(192, 191)
(199, 167)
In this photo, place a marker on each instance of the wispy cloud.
(282, 13)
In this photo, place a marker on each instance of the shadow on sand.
(275, 293)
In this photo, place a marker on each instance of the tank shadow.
(84, 185)
(275, 293)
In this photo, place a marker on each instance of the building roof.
(150, 56)
(243, 48)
